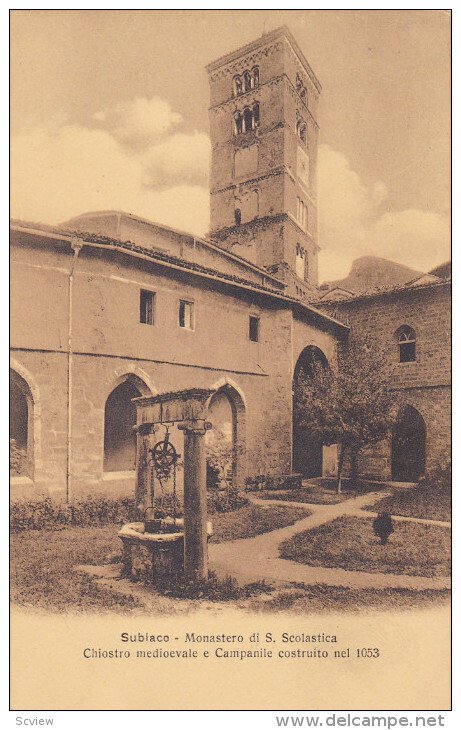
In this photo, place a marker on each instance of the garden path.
(257, 558)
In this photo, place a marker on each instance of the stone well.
(154, 557)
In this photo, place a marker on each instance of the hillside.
(371, 272)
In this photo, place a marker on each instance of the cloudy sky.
(109, 110)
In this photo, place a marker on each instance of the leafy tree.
(351, 407)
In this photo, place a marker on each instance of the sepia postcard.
(230, 413)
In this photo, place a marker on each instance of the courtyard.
(266, 555)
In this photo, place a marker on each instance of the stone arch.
(119, 441)
(408, 446)
(25, 417)
(227, 389)
(307, 452)
(137, 376)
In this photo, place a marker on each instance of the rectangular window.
(186, 314)
(146, 307)
(301, 213)
(253, 331)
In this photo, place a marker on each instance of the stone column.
(195, 502)
(140, 468)
(145, 436)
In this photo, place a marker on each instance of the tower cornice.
(226, 65)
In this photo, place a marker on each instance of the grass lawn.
(418, 502)
(253, 520)
(350, 543)
(311, 495)
(314, 494)
(42, 561)
(308, 599)
(42, 572)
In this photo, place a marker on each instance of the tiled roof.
(384, 290)
(168, 259)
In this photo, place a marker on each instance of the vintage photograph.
(230, 353)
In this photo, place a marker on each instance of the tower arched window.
(300, 88)
(301, 213)
(238, 216)
(256, 115)
(247, 119)
(238, 123)
(406, 340)
(238, 85)
(247, 80)
(301, 262)
(255, 77)
(301, 130)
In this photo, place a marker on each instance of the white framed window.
(146, 306)
(186, 314)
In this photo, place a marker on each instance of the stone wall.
(110, 345)
(424, 383)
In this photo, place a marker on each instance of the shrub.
(212, 476)
(227, 501)
(18, 459)
(383, 527)
(213, 589)
(437, 480)
(42, 514)
(270, 481)
(46, 514)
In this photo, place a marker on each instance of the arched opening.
(301, 130)
(238, 86)
(119, 419)
(307, 449)
(247, 119)
(238, 123)
(226, 440)
(408, 446)
(21, 427)
(406, 340)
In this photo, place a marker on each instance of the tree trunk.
(354, 475)
(340, 467)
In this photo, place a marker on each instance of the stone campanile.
(264, 134)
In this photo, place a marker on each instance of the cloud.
(140, 121)
(62, 171)
(184, 157)
(138, 162)
(354, 222)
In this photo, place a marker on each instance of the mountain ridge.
(372, 272)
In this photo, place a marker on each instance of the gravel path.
(257, 558)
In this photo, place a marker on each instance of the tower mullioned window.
(264, 155)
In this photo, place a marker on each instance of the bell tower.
(264, 134)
